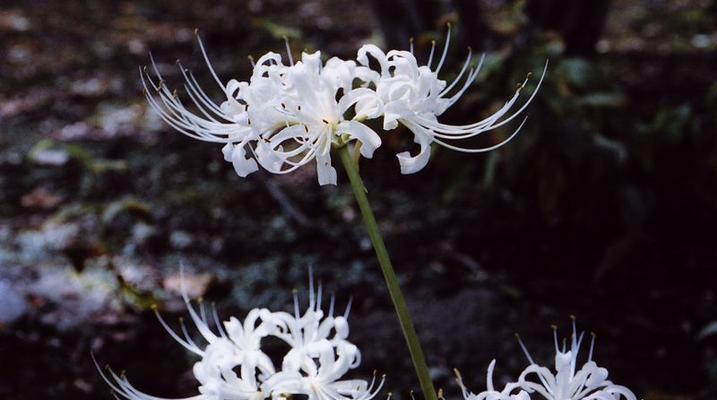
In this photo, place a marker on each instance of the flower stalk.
(394, 289)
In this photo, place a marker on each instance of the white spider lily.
(284, 117)
(588, 383)
(234, 367)
(287, 116)
(323, 381)
(316, 336)
(415, 97)
(302, 331)
(508, 392)
(314, 118)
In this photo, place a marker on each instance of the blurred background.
(605, 207)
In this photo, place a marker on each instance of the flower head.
(414, 96)
(285, 117)
(289, 115)
(233, 365)
(566, 383)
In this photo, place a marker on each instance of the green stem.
(399, 303)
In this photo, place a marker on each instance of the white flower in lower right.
(566, 383)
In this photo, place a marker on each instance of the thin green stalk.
(399, 303)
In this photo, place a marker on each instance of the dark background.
(604, 207)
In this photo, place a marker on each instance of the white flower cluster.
(286, 116)
(233, 365)
(588, 383)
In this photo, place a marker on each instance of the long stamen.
(430, 56)
(348, 308)
(483, 149)
(573, 342)
(525, 349)
(445, 50)
(555, 338)
(288, 50)
(186, 344)
(318, 297)
(312, 300)
(297, 313)
(460, 74)
(206, 58)
(331, 305)
(530, 99)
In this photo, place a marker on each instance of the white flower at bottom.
(588, 383)
(508, 392)
(323, 381)
(233, 365)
